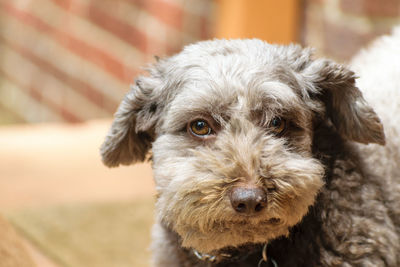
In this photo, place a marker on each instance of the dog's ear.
(335, 85)
(132, 131)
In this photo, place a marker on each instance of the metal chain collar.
(265, 258)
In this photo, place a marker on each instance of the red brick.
(315, 2)
(343, 42)
(381, 8)
(340, 42)
(168, 13)
(312, 22)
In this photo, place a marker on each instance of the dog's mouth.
(254, 222)
(234, 233)
(275, 221)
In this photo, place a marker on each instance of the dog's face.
(230, 125)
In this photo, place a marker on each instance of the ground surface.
(47, 166)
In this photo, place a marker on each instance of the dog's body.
(255, 155)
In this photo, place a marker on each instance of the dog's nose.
(248, 201)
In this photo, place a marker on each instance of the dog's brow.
(177, 118)
(271, 97)
(221, 103)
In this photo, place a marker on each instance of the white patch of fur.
(379, 70)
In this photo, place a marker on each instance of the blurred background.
(64, 67)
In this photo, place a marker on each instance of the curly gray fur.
(327, 204)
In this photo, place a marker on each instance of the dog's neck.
(237, 254)
(220, 258)
(245, 255)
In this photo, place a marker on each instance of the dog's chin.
(233, 233)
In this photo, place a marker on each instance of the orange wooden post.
(276, 21)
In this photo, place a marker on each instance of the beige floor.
(48, 164)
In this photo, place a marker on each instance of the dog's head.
(230, 125)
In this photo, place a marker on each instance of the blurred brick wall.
(339, 28)
(73, 60)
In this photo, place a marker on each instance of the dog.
(263, 156)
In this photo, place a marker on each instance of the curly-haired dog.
(256, 161)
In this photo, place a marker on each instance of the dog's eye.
(200, 128)
(278, 125)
